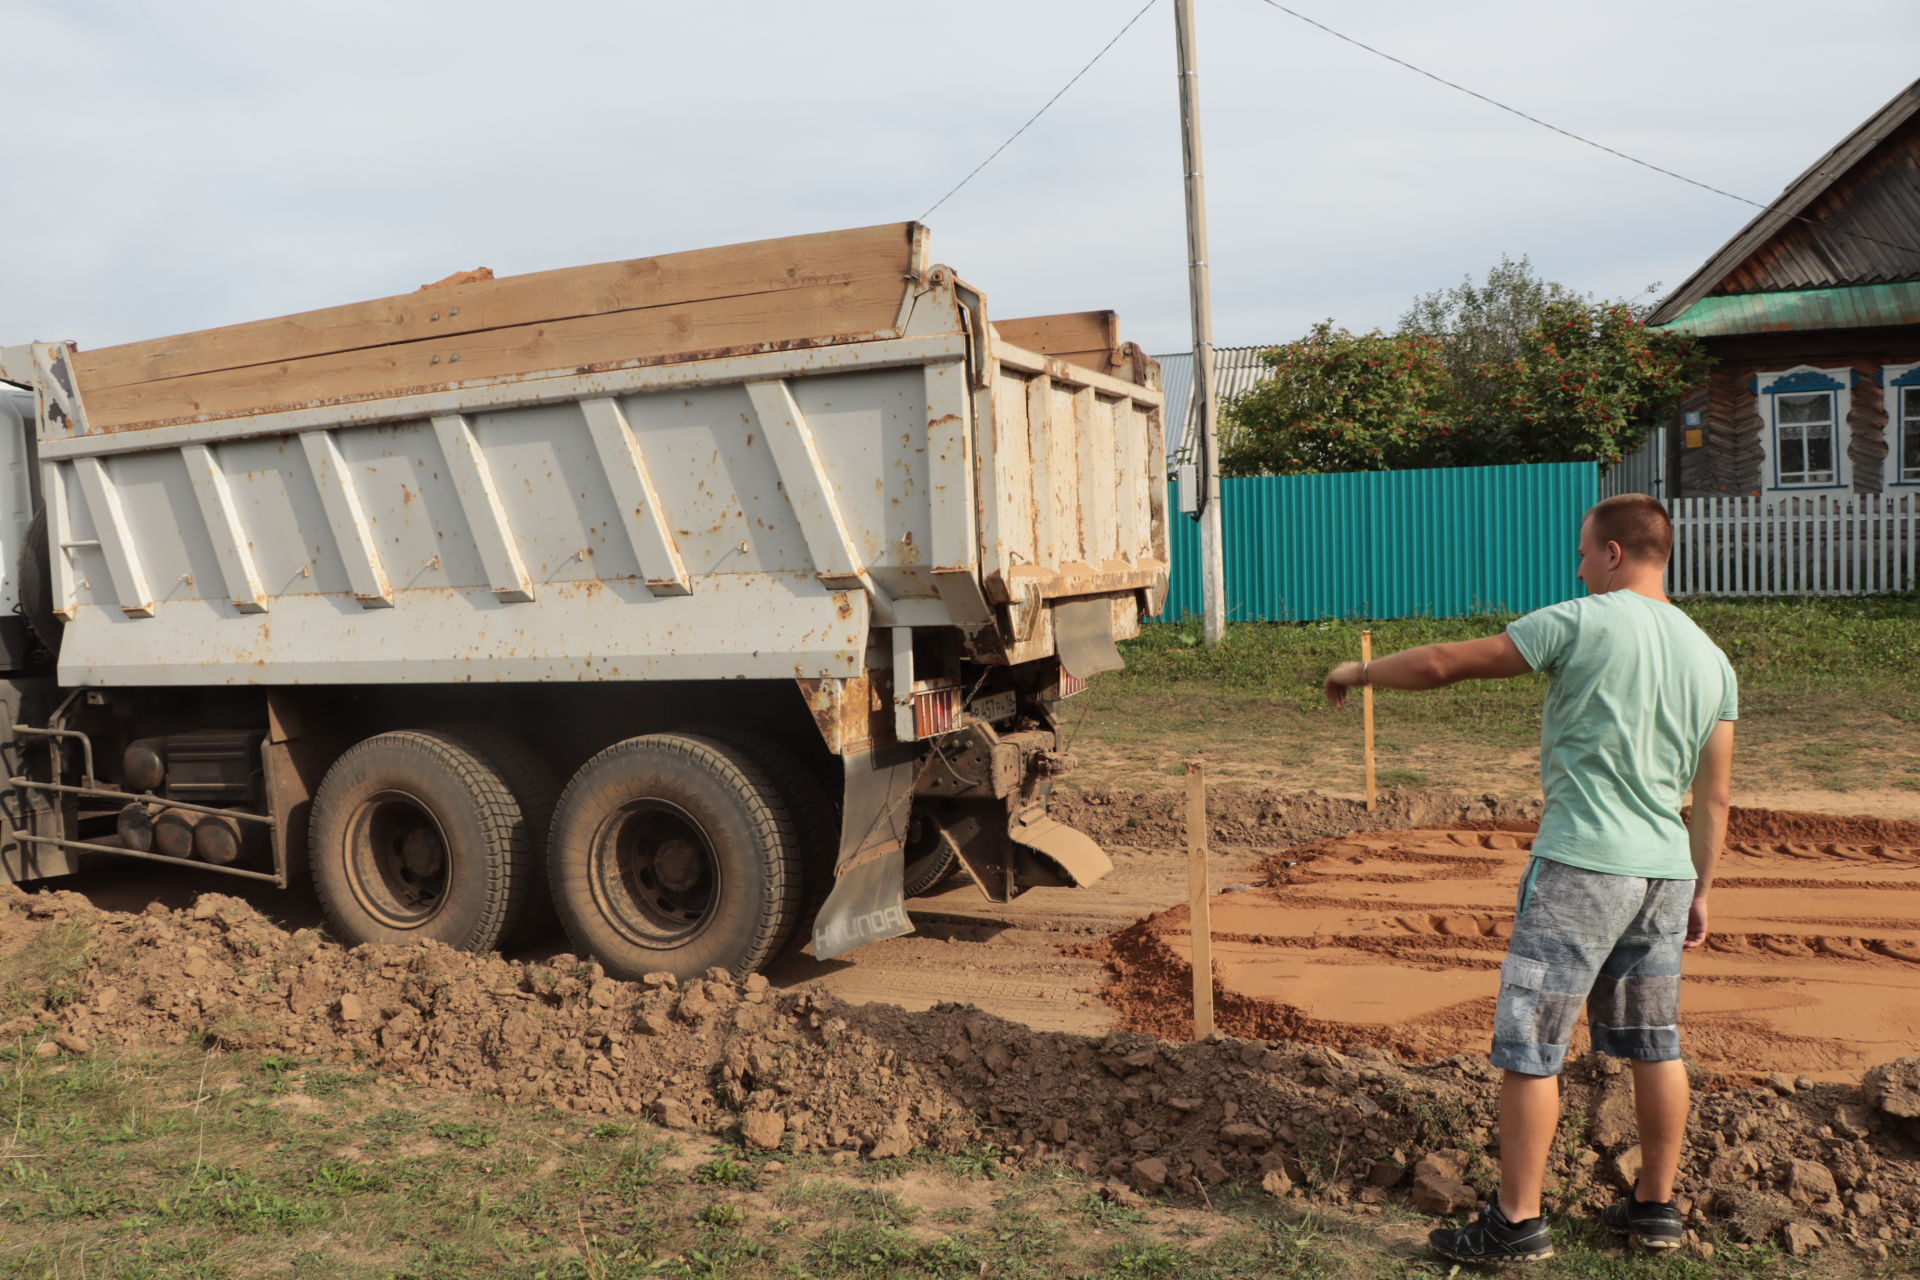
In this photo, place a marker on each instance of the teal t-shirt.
(1634, 689)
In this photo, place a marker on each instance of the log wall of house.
(1732, 458)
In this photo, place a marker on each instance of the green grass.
(45, 970)
(1821, 644)
(1829, 692)
(194, 1165)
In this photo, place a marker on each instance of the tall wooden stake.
(1366, 712)
(1213, 571)
(1199, 902)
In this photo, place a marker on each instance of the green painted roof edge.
(1859, 306)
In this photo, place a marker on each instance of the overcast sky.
(199, 162)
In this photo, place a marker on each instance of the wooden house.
(1813, 314)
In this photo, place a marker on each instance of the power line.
(1043, 110)
(1567, 133)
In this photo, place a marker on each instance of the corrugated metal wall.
(1235, 371)
(1392, 544)
(1642, 471)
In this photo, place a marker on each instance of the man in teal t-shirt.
(1640, 709)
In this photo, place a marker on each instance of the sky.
(175, 166)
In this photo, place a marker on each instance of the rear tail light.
(936, 711)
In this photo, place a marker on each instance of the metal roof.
(1856, 307)
(1235, 370)
(1883, 204)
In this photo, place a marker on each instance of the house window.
(1910, 435)
(1903, 423)
(1805, 440)
(1803, 433)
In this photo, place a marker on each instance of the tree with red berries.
(1514, 370)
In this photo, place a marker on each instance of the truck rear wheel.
(416, 836)
(816, 817)
(675, 853)
(536, 789)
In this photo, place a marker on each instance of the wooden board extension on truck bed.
(766, 295)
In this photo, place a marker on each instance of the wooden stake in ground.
(1199, 901)
(1366, 710)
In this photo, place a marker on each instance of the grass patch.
(46, 970)
(1828, 690)
(187, 1166)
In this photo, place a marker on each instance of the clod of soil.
(1394, 939)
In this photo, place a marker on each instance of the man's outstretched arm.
(1432, 666)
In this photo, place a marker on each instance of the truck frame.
(691, 599)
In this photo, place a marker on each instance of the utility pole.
(1213, 571)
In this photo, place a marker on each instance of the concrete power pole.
(1213, 572)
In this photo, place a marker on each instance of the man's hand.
(1339, 680)
(1696, 922)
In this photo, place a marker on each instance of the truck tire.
(929, 859)
(417, 836)
(816, 818)
(536, 789)
(674, 853)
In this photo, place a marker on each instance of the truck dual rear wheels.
(418, 835)
(675, 853)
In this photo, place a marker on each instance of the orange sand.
(1395, 938)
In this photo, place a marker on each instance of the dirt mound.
(802, 1073)
(1787, 824)
(1240, 817)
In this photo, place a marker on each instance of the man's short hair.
(1638, 523)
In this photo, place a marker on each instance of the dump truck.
(702, 601)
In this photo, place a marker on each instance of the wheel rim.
(399, 862)
(654, 873)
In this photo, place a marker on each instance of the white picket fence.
(1855, 545)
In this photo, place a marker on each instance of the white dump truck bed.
(735, 463)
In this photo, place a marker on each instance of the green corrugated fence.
(1392, 544)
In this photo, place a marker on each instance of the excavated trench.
(1394, 939)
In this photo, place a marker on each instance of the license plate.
(995, 707)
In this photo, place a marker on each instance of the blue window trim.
(1804, 380)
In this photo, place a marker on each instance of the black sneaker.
(1491, 1238)
(1652, 1224)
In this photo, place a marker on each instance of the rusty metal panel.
(1071, 485)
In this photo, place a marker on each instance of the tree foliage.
(1339, 401)
(1589, 383)
(1482, 327)
(1514, 370)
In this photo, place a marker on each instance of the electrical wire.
(1042, 111)
(1567, 133)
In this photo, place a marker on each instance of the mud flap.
(1083, 637)
(1074, 852)
(867, 903)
